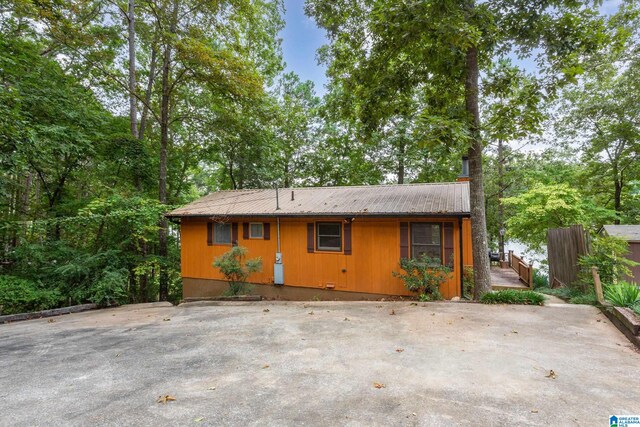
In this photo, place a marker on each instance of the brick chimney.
(464, 176)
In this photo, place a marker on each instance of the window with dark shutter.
(310, 232)
(426, 240)
(256, 230)
(221, 233)
(347, 238)
(329, 236)
(209, 233)
(404, 240)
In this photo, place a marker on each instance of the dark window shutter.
(310, 232)
(404, 240)
(266, 230)
(245, 230)
(448, 244)
(209, 233)
(347, 238)
(234, 234)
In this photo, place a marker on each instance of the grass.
(511, 296)
(572, 295)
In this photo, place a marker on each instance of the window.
(426, 240)
(221, 233)
(256, 230)
(329, 236)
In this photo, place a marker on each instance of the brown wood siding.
(634, 255)
(375, 246)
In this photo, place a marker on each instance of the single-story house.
(630, 233)
(327, 242)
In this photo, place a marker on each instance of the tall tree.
(380, 50)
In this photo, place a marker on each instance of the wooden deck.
(505, 278)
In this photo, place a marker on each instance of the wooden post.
(596, 280)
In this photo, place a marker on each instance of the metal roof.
(631, 233)
(371, 200)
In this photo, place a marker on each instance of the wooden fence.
(565, 246)
(524, 270)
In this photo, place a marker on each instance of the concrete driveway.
(319, 364)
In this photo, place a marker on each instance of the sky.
(301, 38)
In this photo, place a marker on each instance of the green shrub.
(540, 280)
(236, 270)
(609, 255)
(512, 296)
(574, 295)
(19, 295)
(111, 289)
(636, 308)
(623, 294)
(468, 281)
(423, 276)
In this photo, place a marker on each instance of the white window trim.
(251, 236)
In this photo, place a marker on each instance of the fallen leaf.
(450, 322)
(211, 388)
(393, 313)
(265, 366)
(266, 310)
(513, 331)
(399, 350)
(551, 375)
(306, 305)
(346, 319)
(166, 319)
(414, 303)
(166, 398)
(379, 385)
(433, 314)
(311, 312)
(117, 354)
(534, 411)
(51, 321)
(199, 420)
(462, 317)
(599, 320)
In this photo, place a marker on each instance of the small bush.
(574, 295)
(111, 289)
(468, 281)
(512, 296)
(623, 294)
(423, 276)
(19, 295)
(236, 270)
(540, 280)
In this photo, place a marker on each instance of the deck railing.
(524, 270)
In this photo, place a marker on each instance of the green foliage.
(22, 296)
(423, 276)
(623, 294)
(540, 280)
(110, 289)
(636, 308)
(468, 281)
(236, 269)
(512, 296)
(608, 254)
(573, 295)
(550, 206)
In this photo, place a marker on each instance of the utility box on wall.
(278, 270)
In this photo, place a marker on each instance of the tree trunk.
(147, 95)
(617, 198)
(164, 142)
(401, 155)
(500, 196)
(133, 108)
(481, 272)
